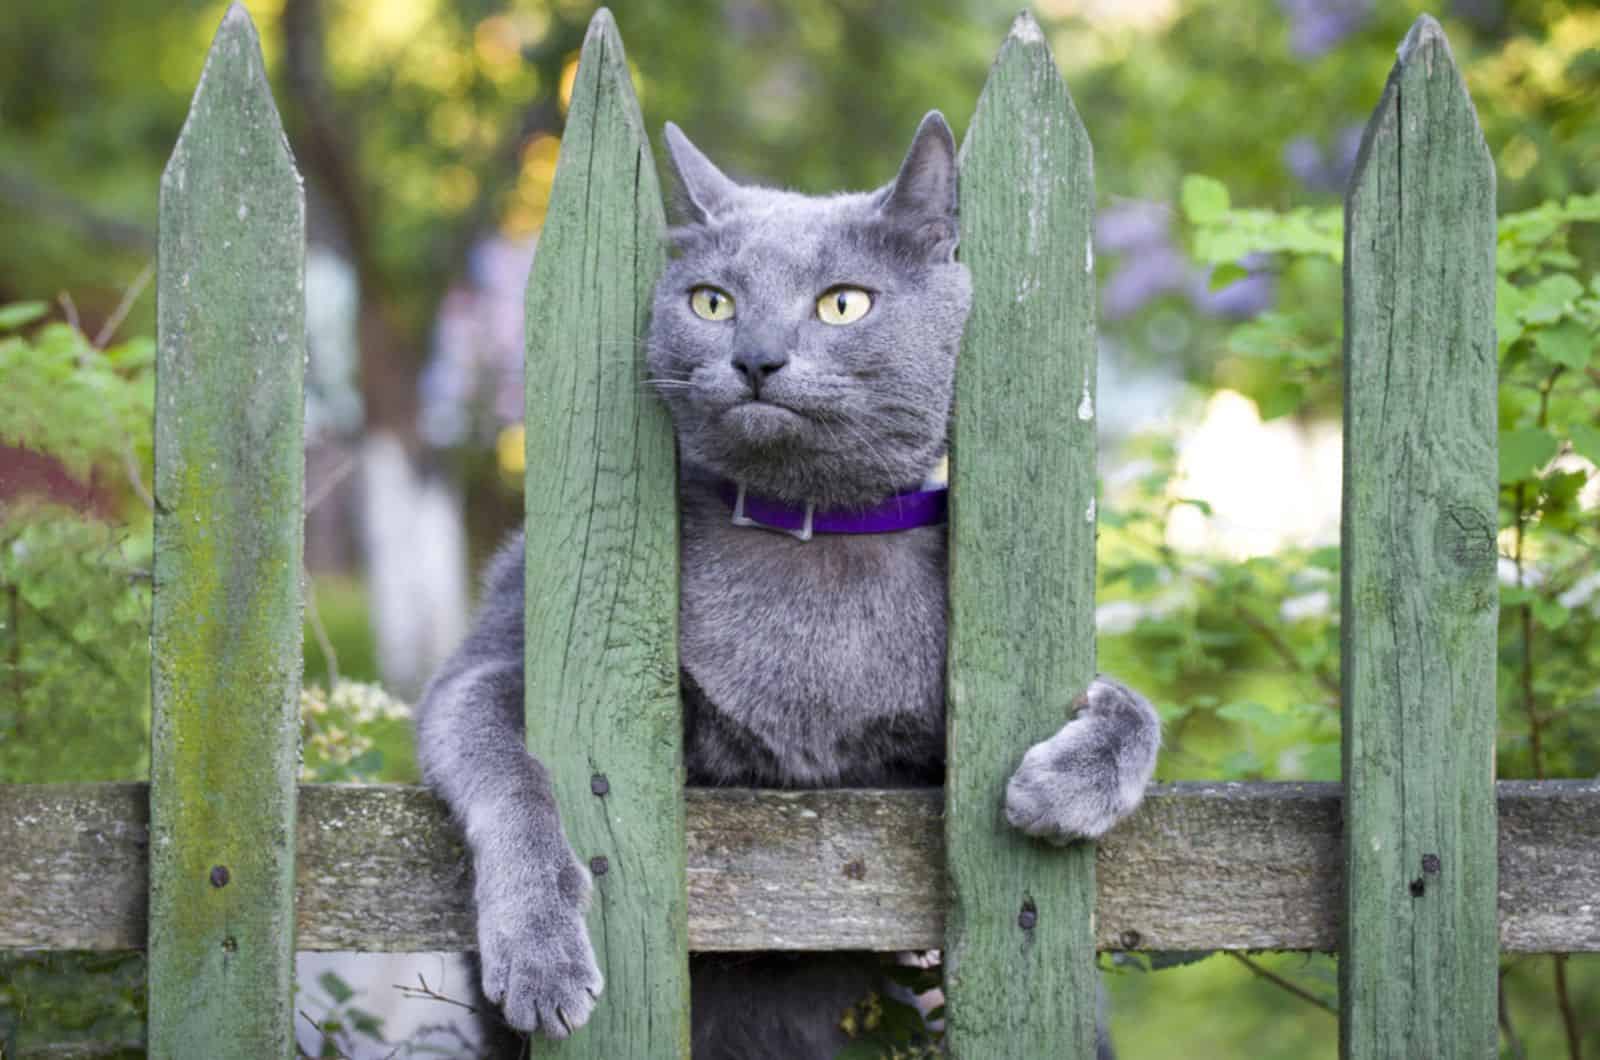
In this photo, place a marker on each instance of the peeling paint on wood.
(1022, 541)
(226, 632)
(1420, 598)
(602, 561)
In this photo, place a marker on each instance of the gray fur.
(1092, 773)
(530, 890)
(805, 664)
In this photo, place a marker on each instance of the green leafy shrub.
(75, 586)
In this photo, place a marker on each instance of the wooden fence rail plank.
(602, 593)
(226, 633)
(1200, 866)
(1019, 954)
(1419, 972)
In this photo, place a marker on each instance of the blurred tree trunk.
(412, 532)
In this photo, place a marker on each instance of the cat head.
(806, 346)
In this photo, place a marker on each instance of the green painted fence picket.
(1019, 951)
(602, 561)
(229, 526)
(1420, 595)
(1419, 945)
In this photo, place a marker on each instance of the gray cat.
(806, 349)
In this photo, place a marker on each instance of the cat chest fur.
(811, 664)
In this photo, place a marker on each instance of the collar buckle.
(741, 519)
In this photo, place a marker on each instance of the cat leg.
(529, 889)
(1092, 773)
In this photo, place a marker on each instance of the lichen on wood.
(1199, 866)
(226, 632)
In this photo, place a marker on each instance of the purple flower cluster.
(1324, 167)
(1150, 265)
(1317, 26)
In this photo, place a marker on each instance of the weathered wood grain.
(1019, 951)
(1420, 598)
(1200, 866)
(602, 561)
(226, 633)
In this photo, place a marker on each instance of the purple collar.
(903, 511)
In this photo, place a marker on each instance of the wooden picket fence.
(1419, 869)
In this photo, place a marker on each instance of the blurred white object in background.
(1269, 485)
(415, 546)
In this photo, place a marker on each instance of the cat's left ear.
(703, 189)
(923, 195)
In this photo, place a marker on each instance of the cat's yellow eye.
(709, 303)
(843, 305)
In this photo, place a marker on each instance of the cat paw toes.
(1049, 798)
(545, 982)
(538, 964)
(1083, 780)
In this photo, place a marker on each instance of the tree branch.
(28, 196)
(1277, 980)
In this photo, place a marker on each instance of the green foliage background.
(458, 106)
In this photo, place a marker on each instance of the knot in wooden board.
(1465, 536)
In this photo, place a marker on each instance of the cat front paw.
(538, 964)
(1092, 773)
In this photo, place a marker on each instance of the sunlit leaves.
(15, 316)
(1552, 298)
(1226, 236)
(1204, 199)
(1537, 239)
(1524, 451)
(1586, 440)
(64, 398)
(1568, 343)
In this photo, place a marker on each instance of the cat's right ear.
(923, 198)
(703, 188)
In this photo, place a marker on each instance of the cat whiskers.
(858, 436)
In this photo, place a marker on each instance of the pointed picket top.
(233, 85)
(1025, 69)
(603, 58)
(601, 564)
(1426, 84)
(1419, 962)
(229, 527)
(1424, 31)
(1019, 954)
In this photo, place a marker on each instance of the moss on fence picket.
(1246, 866)
(226, 634)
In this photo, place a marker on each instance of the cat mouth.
(759, 421)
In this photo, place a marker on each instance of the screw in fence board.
(226, 632)
(1019, 958)
(1419, 970)
(602, 560)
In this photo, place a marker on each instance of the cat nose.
(758, 364)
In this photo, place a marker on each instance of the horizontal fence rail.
(1408, 867)
(1200, 866)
